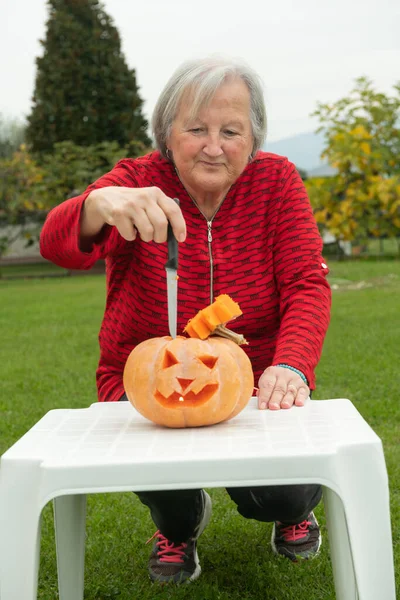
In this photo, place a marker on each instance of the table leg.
(70, 522)
(342, 562)
(20, 517)
(362, 484)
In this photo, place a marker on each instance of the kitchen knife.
(171, 268)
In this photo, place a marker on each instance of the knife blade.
(171, 268)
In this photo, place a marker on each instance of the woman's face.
(211, 151)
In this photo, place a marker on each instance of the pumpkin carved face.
(188, 382)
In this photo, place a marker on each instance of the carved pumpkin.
(188, 382)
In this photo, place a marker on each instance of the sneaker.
(178, 563)
(297, 542)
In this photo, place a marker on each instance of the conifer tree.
(84, 92)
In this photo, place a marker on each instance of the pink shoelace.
(168, 552)
(293, 533)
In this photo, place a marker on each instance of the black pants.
(176, 512)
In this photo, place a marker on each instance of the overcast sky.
(304, 50)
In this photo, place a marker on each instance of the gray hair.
(204, 77)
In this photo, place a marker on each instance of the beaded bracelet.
(304, 378)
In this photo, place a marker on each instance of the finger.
(277, 395)
(143, 225)
(289, 397)
(159, 222)
(174, 216)
(148, 217)
(302, 395)
(266, 387)
(125, 226)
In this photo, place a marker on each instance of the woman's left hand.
(279, 387)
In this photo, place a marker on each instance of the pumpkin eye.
(169, 360)
(209, 361)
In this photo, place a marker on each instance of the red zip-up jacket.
(262, 247)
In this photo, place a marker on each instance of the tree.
(84, 90)
(22, 198)
(69, 169)
(362, 137)
(29, 190)
(12, 135)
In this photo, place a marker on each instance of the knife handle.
(172, 262)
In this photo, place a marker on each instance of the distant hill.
(304, 150)
(322, 171)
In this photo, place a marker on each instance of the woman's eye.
(196, 130)
(230, 133)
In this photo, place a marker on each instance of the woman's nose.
(213, 146)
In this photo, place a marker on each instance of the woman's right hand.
(133, 211)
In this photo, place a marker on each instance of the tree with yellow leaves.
(362, 142)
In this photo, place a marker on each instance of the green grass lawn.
(48, 357)
(39, 269)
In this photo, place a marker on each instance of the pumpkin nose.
(184, 383)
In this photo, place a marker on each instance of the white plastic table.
(110, 448)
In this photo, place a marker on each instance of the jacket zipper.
(209, 239)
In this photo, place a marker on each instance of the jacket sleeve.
(300, 272)
(60, 233)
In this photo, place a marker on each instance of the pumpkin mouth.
(180, 400)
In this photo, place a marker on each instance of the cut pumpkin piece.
(211, 320)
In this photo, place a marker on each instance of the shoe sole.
(299, 557)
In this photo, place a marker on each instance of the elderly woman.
(245, 228)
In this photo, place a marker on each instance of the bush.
(69, 169)
(30, 185)
(22, 197)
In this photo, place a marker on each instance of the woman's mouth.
(210, 164)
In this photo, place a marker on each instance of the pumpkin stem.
(222, 331)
